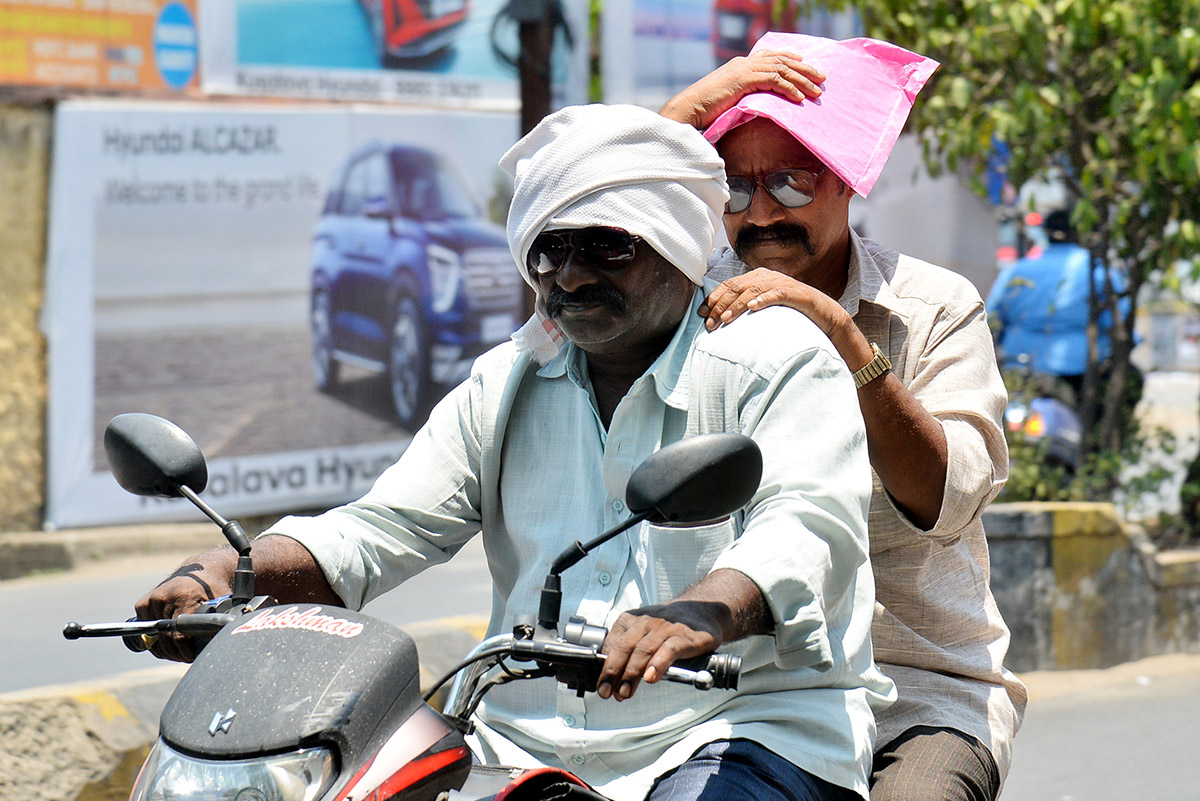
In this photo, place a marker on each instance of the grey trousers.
(937, 764)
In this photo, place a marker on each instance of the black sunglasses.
(792, 188)
(602, 247)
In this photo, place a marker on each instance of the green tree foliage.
(1102, 94)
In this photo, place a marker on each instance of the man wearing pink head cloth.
(931, 396)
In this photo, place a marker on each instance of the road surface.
(1129, 732)
(36, 608)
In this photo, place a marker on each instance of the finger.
(174, 647)
(641, 656)
(710, 309)
(739, 305)
(776, 296)
(798, 86)
(168, 600)
(156, 605)
(789, 75)
(793, 64)
(673, 649)
(617, 646)
(720, 298)
(811, 71)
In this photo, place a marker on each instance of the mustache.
(777, 233)
(589, 295)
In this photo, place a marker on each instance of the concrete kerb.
(24, 554)
(86, 741)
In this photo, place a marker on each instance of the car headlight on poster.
(445, 271)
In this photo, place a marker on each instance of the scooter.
(1038, 410)
(299, 702)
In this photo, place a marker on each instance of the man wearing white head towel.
(614, 213)
(926, 377)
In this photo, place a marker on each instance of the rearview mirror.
(152, 456)
(696, 480)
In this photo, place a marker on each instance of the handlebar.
(720, 671)
(135, 632)
(139, 635)
(576, 664)
(712, 671)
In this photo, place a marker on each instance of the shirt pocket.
(679, 556)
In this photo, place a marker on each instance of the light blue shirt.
(519, 454)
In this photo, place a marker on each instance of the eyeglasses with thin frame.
(603, 247)
(791, 188)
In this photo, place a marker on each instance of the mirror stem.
(550, 604)
(243, 575)
(230, 528)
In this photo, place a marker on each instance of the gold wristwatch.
(873, 369)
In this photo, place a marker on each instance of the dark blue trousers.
(741, 770)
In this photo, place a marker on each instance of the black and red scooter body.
(287, 678)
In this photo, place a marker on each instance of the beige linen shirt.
(936, 631)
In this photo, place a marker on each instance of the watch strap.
(873, 369)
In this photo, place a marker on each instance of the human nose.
(763, 209)
(574, 273)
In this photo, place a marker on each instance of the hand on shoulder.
(761, 288)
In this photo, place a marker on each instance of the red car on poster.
(738, 24)
(408, 29)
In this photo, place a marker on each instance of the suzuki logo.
(221, 723)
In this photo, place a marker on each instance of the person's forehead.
(761, 145)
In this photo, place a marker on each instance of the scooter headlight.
(171, 776)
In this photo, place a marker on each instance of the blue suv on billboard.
(408, 278)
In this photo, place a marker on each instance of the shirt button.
(618, 505)
(568, 720)
(579, 759)
(605, 579)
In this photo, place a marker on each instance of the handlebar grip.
(726, 669)
(138, 642)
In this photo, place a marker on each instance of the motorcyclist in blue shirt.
(1038, 307)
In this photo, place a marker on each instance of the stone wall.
(1081, 590)
(24, 158)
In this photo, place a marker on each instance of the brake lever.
(140, 635)
(198, 624)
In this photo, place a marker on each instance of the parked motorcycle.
(299, 702)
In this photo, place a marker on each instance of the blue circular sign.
(175, 50)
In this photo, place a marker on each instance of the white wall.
(939, 220)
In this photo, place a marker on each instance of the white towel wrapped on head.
(622, 166)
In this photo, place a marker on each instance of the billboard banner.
(655, 48)
(429, 52)
(137, 45)
(294, 286)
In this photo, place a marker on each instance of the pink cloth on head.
(868, 91)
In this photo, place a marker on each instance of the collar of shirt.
(667, 372)
(866, 280)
